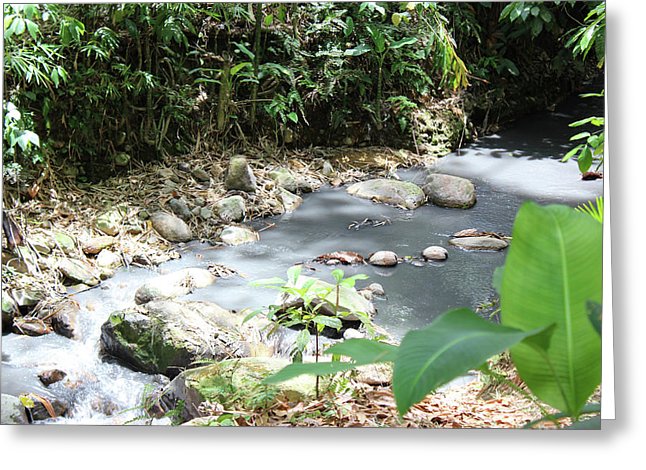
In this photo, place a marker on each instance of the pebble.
(436, 253)
(376, 289)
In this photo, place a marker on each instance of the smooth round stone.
(479, 243)
(351, 333)
(171, 228)
(376, 289)
(450, 191)
(234, 235)
(435, 253)
(383, 258)
(96, 244)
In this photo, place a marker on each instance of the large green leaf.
(310, 368)
(361, 351)
(403, 42)
(364, 351)
(552, 270)
(454, 343)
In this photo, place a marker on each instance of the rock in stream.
(450, 191)
(389, 191)
(169, 336)
(176, 284)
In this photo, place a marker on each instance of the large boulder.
(479, 243)
(169, 336)
(240, 175)
(351, 302)
(236, 235)
(171, 228)
(174, 284)
(231, 209)
(234, 384)
(394, 192)
(450, 191)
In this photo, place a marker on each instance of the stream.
(520, 163)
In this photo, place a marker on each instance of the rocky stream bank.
(206, 360)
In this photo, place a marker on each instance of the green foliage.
(533, 16)
(162, 74)
(552, 270)
(451, 345)
(307, 297)
(594, 140)
(18, 136)
(592, 35)
(593, 210)
(360, 351)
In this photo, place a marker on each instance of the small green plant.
(592, 147)
(305, 300)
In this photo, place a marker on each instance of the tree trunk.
(257, 52)
(224, 96)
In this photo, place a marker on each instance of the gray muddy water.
(521, 163)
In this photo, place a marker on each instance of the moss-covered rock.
(284, 179)
(290, 201)
(78, 271)
(240, 175)
(439, 129)
(9, 310)
(109, 222)
(66, 243)
(169, 336)
(231, 209)
(394, 192)
(236, 385)
(13, 411)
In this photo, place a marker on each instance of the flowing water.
(518, 164)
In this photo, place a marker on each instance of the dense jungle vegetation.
(88, 89)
